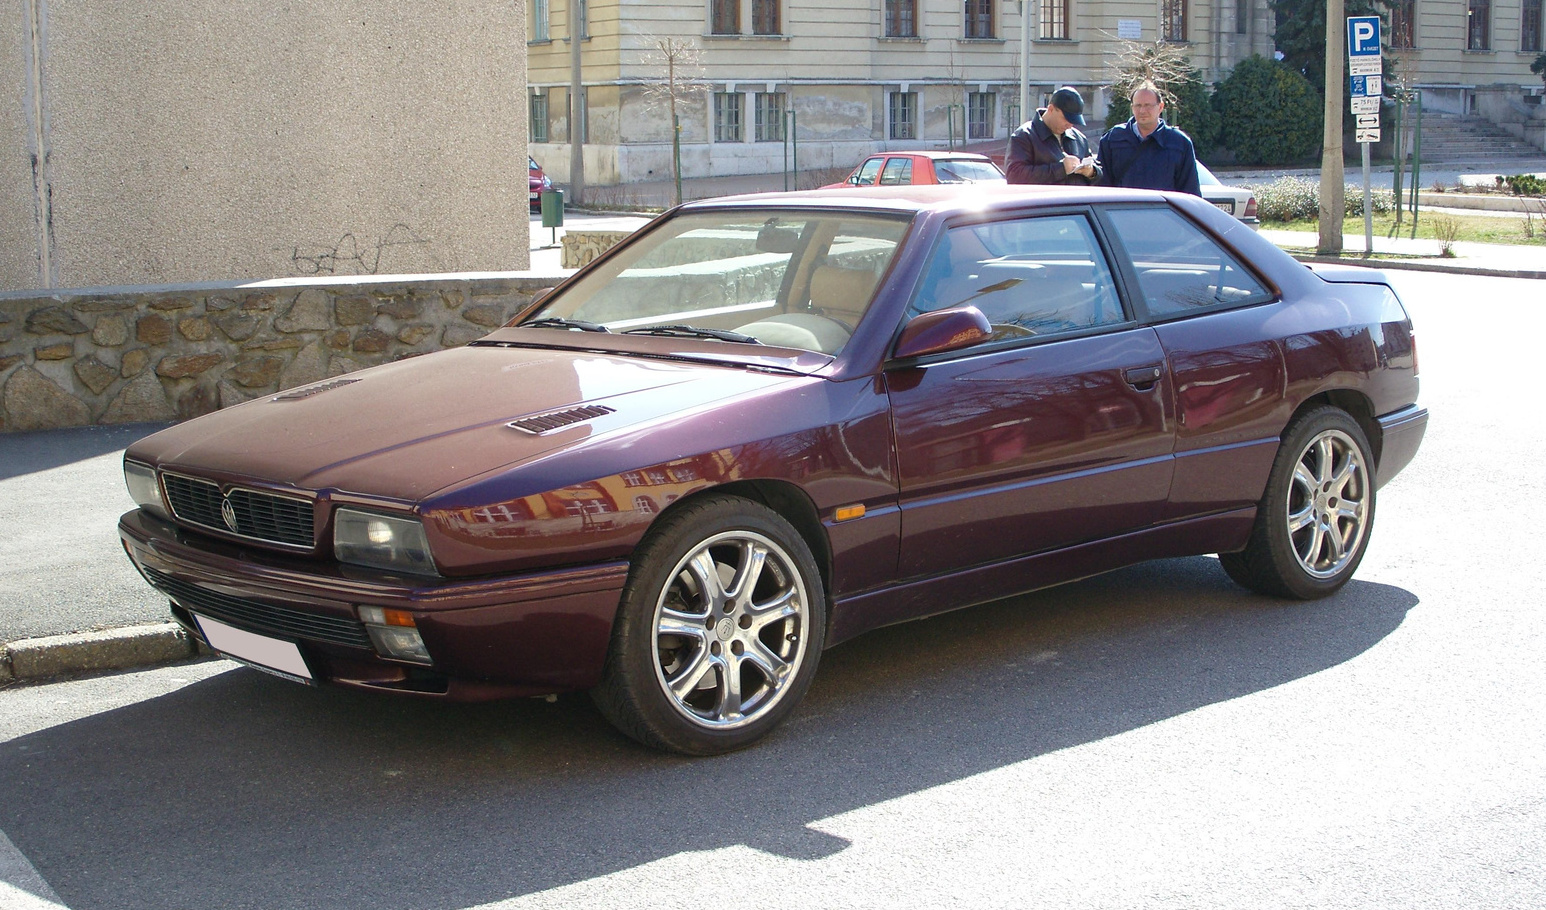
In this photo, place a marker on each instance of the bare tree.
(678, 63)
(1160, 62)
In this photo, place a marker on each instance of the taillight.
(1412, 336)
(1250, 207)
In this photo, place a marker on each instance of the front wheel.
(1312, 526)
(719, 630)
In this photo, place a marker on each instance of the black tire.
(703, 665)
(1313, 524)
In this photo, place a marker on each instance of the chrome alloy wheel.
(730, 630)
(1328, 512)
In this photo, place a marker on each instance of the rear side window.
(898, 172)
(1181, 269)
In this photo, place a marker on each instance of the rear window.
(967, 170)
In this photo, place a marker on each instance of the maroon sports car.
(766, 424)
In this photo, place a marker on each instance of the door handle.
(1143, 378)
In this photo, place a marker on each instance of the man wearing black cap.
(1050, 148)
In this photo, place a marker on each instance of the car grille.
(284, 520)
(259, 617)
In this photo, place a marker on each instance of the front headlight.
(382, 542)
(143, 488)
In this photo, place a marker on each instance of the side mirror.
(942, 331)
(854, 179)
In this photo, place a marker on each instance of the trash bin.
(552, 208)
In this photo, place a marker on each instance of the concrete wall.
(126, 355)
(251, 139)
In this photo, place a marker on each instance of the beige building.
(1472, 58)
(152, 142)
(853, 77)
(856, 77)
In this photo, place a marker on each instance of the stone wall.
(126, 355)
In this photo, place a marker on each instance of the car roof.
(944, 200)
(936, 155)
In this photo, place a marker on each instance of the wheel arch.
(791, 503)
(1356, 405)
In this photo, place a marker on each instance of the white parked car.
(1235, 200)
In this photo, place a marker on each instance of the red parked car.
(537, 182)
(763, 425)
(922, 169)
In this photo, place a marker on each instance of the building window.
(901, 18)
(539, 116)
(1054, 19)
(539, 20)
(1173, 20)
(584, 10)
(725, 17)
(979, 18)
(1530, 25)
(769, 117)
(903, 109)
(765, 17)
(1478, 28)
(979, 115)
(1242, 17)
(727, 116)
(1403, 24)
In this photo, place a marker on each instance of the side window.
(1031, 276)
(1181, 269)
(898, 172)
(869, 170)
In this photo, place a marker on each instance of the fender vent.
(539, 424)
(306, 391)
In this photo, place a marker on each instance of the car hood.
(403, 431)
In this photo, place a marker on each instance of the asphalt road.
(1154, 738)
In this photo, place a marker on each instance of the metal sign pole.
(1368, 210)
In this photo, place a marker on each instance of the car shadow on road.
(39, 450)
(243, 790)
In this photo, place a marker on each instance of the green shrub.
(1270, 113)
(1297, 199)
(1525, 185)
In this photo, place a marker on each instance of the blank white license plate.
(282, 658)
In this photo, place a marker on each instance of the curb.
(129, 648)
(1375, 262)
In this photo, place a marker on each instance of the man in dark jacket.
(1146, 152)
(1050, 148)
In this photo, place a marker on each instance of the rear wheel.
(719, 631)
(1313, 524)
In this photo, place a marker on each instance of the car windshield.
(967, 170)
(781, 277)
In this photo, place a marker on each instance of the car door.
(1057, 432)
(1208, 310)
(868, 171)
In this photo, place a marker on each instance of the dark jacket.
(1164, 160)
(1036, 157)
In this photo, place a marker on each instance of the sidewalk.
(71, 603)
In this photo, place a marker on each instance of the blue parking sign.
(1363, 36)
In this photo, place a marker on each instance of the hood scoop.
(539, 424)
(306, 391)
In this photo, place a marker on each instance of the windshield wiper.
(692, 331)
(558, 322)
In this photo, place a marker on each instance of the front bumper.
(529, 634)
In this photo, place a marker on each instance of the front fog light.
(394, 634)
(143, 488)
(387, 542)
